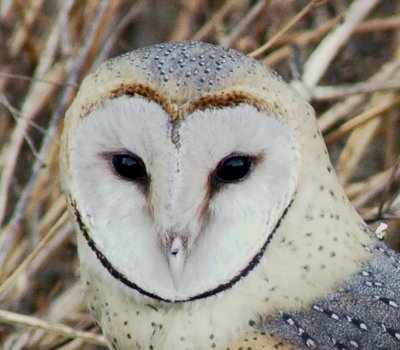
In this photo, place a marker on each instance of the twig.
(214, 20)
(356, 189)
(371, 25)
(323, 55)
(311, 5)
(360, 139)
(344, 108)
(120, 27)
(31, 106)
(36, 96)
(321, 93)
(28, 78)
(379, 24)
(303, 39)
(16, 114)
(49, 52)
(5, 8)
(184, 22)
(29, 259)
(56, 328)
(244, 23)
(385, 204)
(361, 119)
(24, 29)
(76, 70)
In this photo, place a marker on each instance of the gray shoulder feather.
(363, 314)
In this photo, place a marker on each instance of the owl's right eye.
(234, 168)
(129, 167)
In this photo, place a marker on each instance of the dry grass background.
(344, 56)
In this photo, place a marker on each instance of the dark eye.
(233, 168)
(129, 167)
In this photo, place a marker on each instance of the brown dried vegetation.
(343, 55)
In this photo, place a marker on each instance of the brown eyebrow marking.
(147, 92)
(224, 99)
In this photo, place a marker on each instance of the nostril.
(176, 259)
(174, 252)
(176, 247)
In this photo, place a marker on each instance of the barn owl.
(208, 214)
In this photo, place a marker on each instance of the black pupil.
(128, 166)
(234, 168)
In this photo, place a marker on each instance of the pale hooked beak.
(176, 259)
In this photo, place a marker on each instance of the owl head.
(189, 168)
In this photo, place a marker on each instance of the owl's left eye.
(233, 168)
(129, 166)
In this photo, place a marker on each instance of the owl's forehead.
(187, 76)
(193, 66)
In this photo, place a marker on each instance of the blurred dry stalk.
(344, 56)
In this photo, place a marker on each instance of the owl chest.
(130, 325)
(125, 324)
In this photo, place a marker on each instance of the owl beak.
(176, 259)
